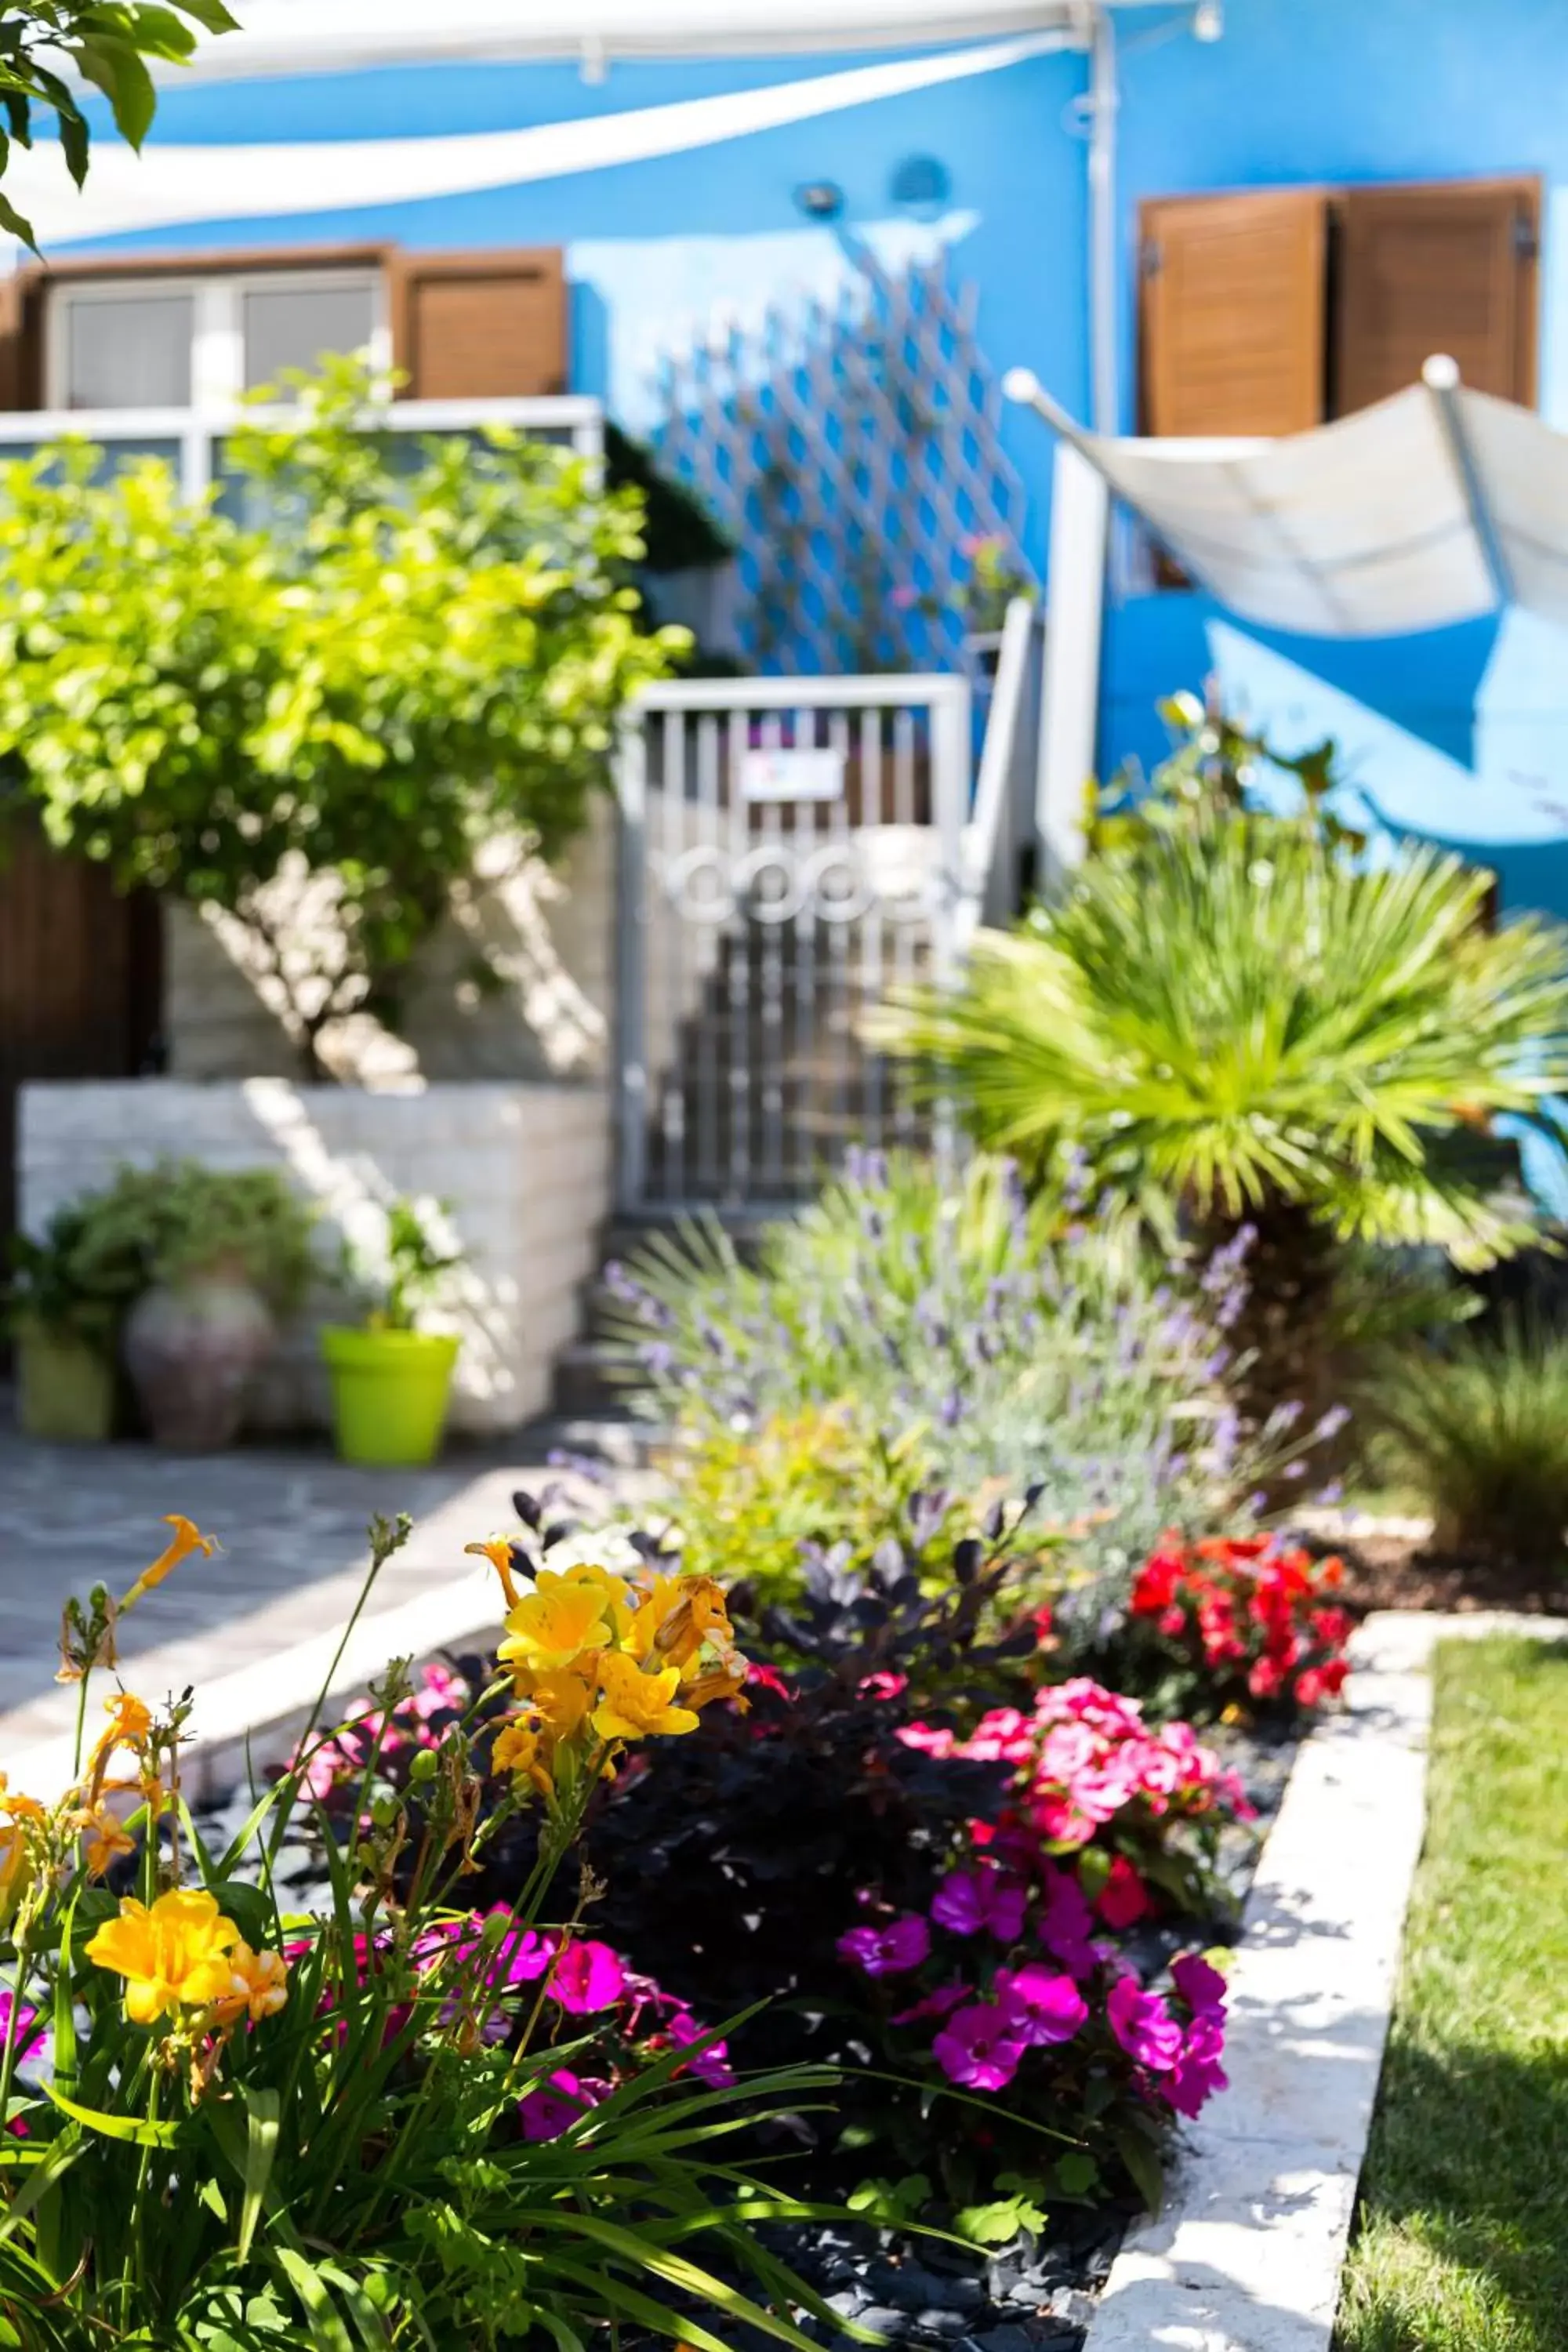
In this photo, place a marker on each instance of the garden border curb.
(1248, 2254)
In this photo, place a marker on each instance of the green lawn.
(1463, 2244)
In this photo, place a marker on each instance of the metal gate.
(790, 849)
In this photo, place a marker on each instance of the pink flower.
(588, 1976)
(884, 1686)
(1124, 1898)
(764, 1677)
(889, 1951)
(1143, 2025)
(979, 2046)
(940, 2003)
(521, 1956)
(904, 599)
(1043, 2006)
(551, 2107)
(711, 2065)
(970, 1900)
(927, 1739)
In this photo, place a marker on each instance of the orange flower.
(105, 1838)
(130, 1723)
(518, 1751)
(176, 1955)
(258, 1982)
(186, 1540)
(497, 1551)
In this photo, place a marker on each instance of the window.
(1271, 310)
(173, 342)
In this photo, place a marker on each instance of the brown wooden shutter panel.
(21, 340)
(1233, 313)
(471, 326)
(1450, 267)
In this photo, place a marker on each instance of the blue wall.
(1463, 734)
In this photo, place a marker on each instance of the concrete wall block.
(529, 1229)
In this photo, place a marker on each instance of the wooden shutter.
(21, 340)
(1233, 312)
(469, 326)
(1446, 267)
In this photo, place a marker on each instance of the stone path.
(292, 1527)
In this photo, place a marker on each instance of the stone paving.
(292, 1526)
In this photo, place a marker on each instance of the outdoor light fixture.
(923, 184)
(820, 200)
(1209, 20)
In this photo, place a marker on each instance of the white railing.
(1003, 817)
(194, 436)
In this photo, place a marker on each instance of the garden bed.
(1034, 2292)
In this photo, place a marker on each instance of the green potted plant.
(65, 1303)
(391, 1380)
(221, 1253)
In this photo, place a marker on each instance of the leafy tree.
(108, 42)
(329, 686)
(1236, 1021)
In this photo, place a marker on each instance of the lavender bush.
(1034, 1342)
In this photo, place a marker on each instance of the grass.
(1463, 2240)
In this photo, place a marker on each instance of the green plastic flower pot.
(65, 1388)
(389, 1393)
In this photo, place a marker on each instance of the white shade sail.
(1435, 507)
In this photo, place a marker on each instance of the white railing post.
(1070, 712)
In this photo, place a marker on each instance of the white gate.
(790, 849)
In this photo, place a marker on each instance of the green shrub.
(1481, 1431)
(180, 1218)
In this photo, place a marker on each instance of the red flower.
(1123, 1899)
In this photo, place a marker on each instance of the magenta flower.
(940, 2003)
(904, 599)
(1198, 2074)
(521, 1957)
(1043, 2006)
(1067, 1922)
(28, 2031)
(551, 2107)
(588, 1976)
(979, 2047)
(889, 1951)
(711, 2065)
(970, 1900)
(1200, 1986)
(1143, 2025)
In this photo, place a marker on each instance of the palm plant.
(1237, 1022)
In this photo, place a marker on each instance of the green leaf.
(998, 2223)
(1076, 2172)
(134, 2128)
(118, 72)
(75, 143)
(1143, 2165)
(327, 2330)
(260, 2149)
(211, 14)
(12, 222)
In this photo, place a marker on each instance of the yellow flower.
(17, 1807)
(105, 1837)
(15, 1870)
(561, 1701)
(563, 1616)
(517, 1751)
(175, 1955)
(700, 1615)
(186, 1539)
(258, 1981)
(497, 1551)
(129, 1722)
(636, 1706)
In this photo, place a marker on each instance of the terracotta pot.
(191, 1349)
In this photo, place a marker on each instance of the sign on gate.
(790, 850)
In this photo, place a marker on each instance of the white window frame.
(217, 323)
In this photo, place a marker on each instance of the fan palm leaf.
(1238, 1015)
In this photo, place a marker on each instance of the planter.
(389, 1393)
(65, 1388)
(191, 1350)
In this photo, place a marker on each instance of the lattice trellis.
(853, 452)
